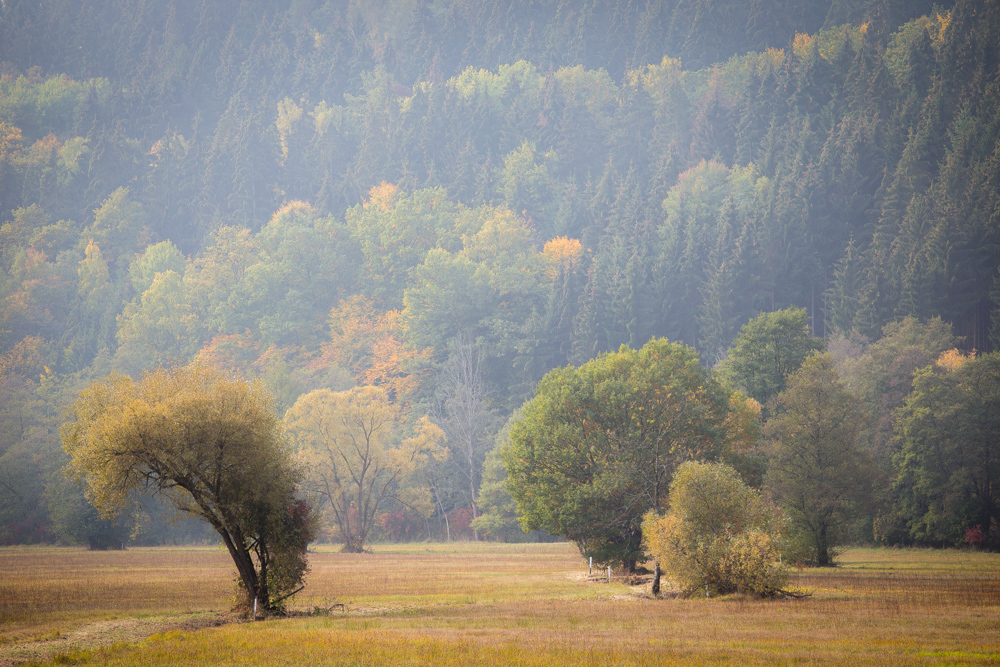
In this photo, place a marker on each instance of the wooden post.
(590, 570)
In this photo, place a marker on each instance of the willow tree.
(719, 533)
(211, 445)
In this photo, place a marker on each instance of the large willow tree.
(211, 445)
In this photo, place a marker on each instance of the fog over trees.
(431, 205)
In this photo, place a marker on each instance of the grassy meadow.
(485, 604)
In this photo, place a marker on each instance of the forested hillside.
(410, 193)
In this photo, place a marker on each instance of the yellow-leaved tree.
(352, 445)
(719, 535)
(212, 445)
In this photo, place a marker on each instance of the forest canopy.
(327, 195)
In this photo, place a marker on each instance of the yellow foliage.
(24, 359)
(381, 196)
(560, 253)
(804, 45)
(95, 280)
(294, 206)
(10, 141)
(952, 359)
(349, 444)
(288, 114)
(370, 345)
(743, 423)
(719, 534)
(177, 430)
(770, 61)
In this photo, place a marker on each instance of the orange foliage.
(290, 207)
(804, 45)
(10, 141)
(370, 345)
(560, 253)
(44, 150)
(389, 362)
(381, 196)
(231, 352)
(24, 359)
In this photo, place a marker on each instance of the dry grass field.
(486, 604)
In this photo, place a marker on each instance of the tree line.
(445, 201)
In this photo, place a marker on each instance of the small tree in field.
(719, 534)
(351, 444)
(213, 446)
(816, 469)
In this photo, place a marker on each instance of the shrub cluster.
(719, 535)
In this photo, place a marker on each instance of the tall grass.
(482, 604)
(41, 586)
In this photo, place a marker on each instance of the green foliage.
(719, 535)
(816, 470)
(714, 159)
(156, 258)
(882, 375)
(498, 518)
(120, 227)
(597, 445)
(76, 521)
(395, 232)
(949, 458)
(768, 349)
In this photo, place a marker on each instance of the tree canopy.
(253, 183)
(817, 470)
(352, 446)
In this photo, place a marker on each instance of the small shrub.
(719, 533)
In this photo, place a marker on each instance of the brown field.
(484, 604)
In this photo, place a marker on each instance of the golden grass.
(46, 590)
(483, 604)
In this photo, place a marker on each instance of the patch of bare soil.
(104, 633)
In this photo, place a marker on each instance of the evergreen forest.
(447, 199)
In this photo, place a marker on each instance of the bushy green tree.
(718, 535)
(949, 461)
(767, 350)
(597, 445)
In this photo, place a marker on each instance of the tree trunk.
(656, 578)
(822, 552)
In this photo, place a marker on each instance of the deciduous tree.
(597, 446)
(351, 444)
(767, 350)
(210, 444)
(949, 461)
(719, 534)
(816, 470)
